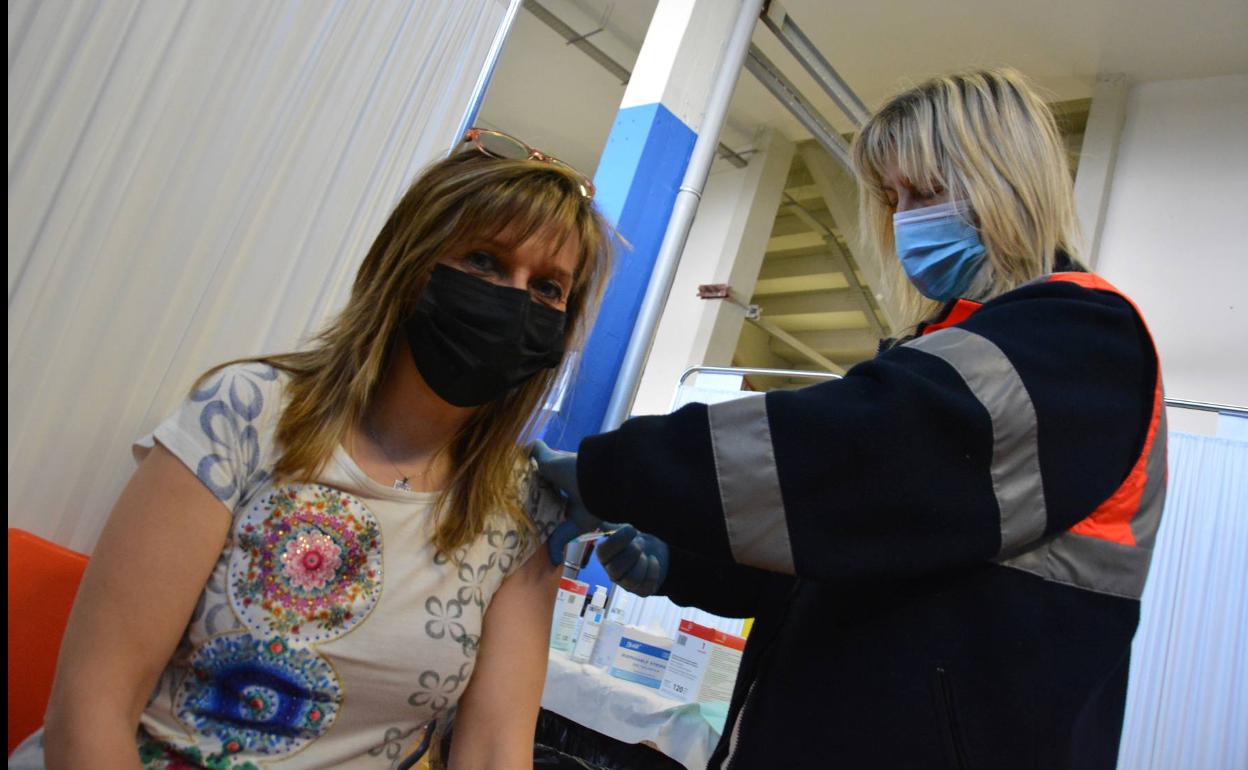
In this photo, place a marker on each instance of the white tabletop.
(627, 711)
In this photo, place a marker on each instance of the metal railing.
(1205, 406)
(746, 371)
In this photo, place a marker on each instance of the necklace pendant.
(402, 484)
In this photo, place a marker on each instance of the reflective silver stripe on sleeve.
(1090, 563)
(992, 379)
(1103, 566)
(749, 486)
(1147, 518)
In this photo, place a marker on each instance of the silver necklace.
(400, 483)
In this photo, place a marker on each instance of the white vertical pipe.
(683, 211)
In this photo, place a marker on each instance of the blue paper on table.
(716, 714)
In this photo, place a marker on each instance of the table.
(630, 712)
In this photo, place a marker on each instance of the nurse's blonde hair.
(987, 138)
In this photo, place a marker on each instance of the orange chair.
(43, 580)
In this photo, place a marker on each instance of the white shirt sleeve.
(223, 431)
(546, 509)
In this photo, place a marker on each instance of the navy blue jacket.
(927, 545)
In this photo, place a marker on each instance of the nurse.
(944, 551)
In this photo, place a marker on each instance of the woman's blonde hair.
(462, 199)
(987, 138)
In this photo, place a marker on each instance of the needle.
(585, 538)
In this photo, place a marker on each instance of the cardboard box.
(641, 657)
(568, 604)
(703, 664)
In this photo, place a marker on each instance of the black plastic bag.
(597, 751)
(561, 744)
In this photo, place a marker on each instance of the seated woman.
(322, 553)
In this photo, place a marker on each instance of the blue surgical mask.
(939, 249)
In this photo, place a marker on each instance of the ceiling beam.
(808, 272)
(806, 192)
(758, 65)
(1097, 156)
(780, 336)
(820, 282)
(796, 267)
(808, 302)
(830, 343)
(793, 241)
(754, 349)
(840, 255)
(810, 57)
(848, 358)
(840, 195)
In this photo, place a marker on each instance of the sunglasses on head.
(496, 144)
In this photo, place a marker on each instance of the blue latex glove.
(634, 560)
(559, 468)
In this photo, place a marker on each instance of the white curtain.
(1187, 701)
(191, 181)
(658, 613)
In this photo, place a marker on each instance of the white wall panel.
(1173, 235)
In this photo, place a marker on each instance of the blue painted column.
(638, 176)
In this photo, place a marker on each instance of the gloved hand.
(559, 468)
(633, 559)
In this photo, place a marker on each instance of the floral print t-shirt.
(331, 632)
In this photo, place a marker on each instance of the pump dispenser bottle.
(591, 623)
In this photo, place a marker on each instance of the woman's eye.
(481, 262)
(549, 291)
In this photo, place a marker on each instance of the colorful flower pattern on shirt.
(158, 755)
(258, 695)
(250, 685)
(308, 565)
(311, 560)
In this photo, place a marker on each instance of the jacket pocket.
(950, 725)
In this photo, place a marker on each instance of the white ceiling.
(557, 98)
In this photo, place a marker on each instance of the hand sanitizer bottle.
(591, 622)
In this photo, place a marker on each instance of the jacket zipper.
(759, 671)
(736, 727)
(961, 762)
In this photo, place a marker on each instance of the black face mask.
(473, 341)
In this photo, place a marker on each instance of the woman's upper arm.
(162, 539)
(498, 712)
